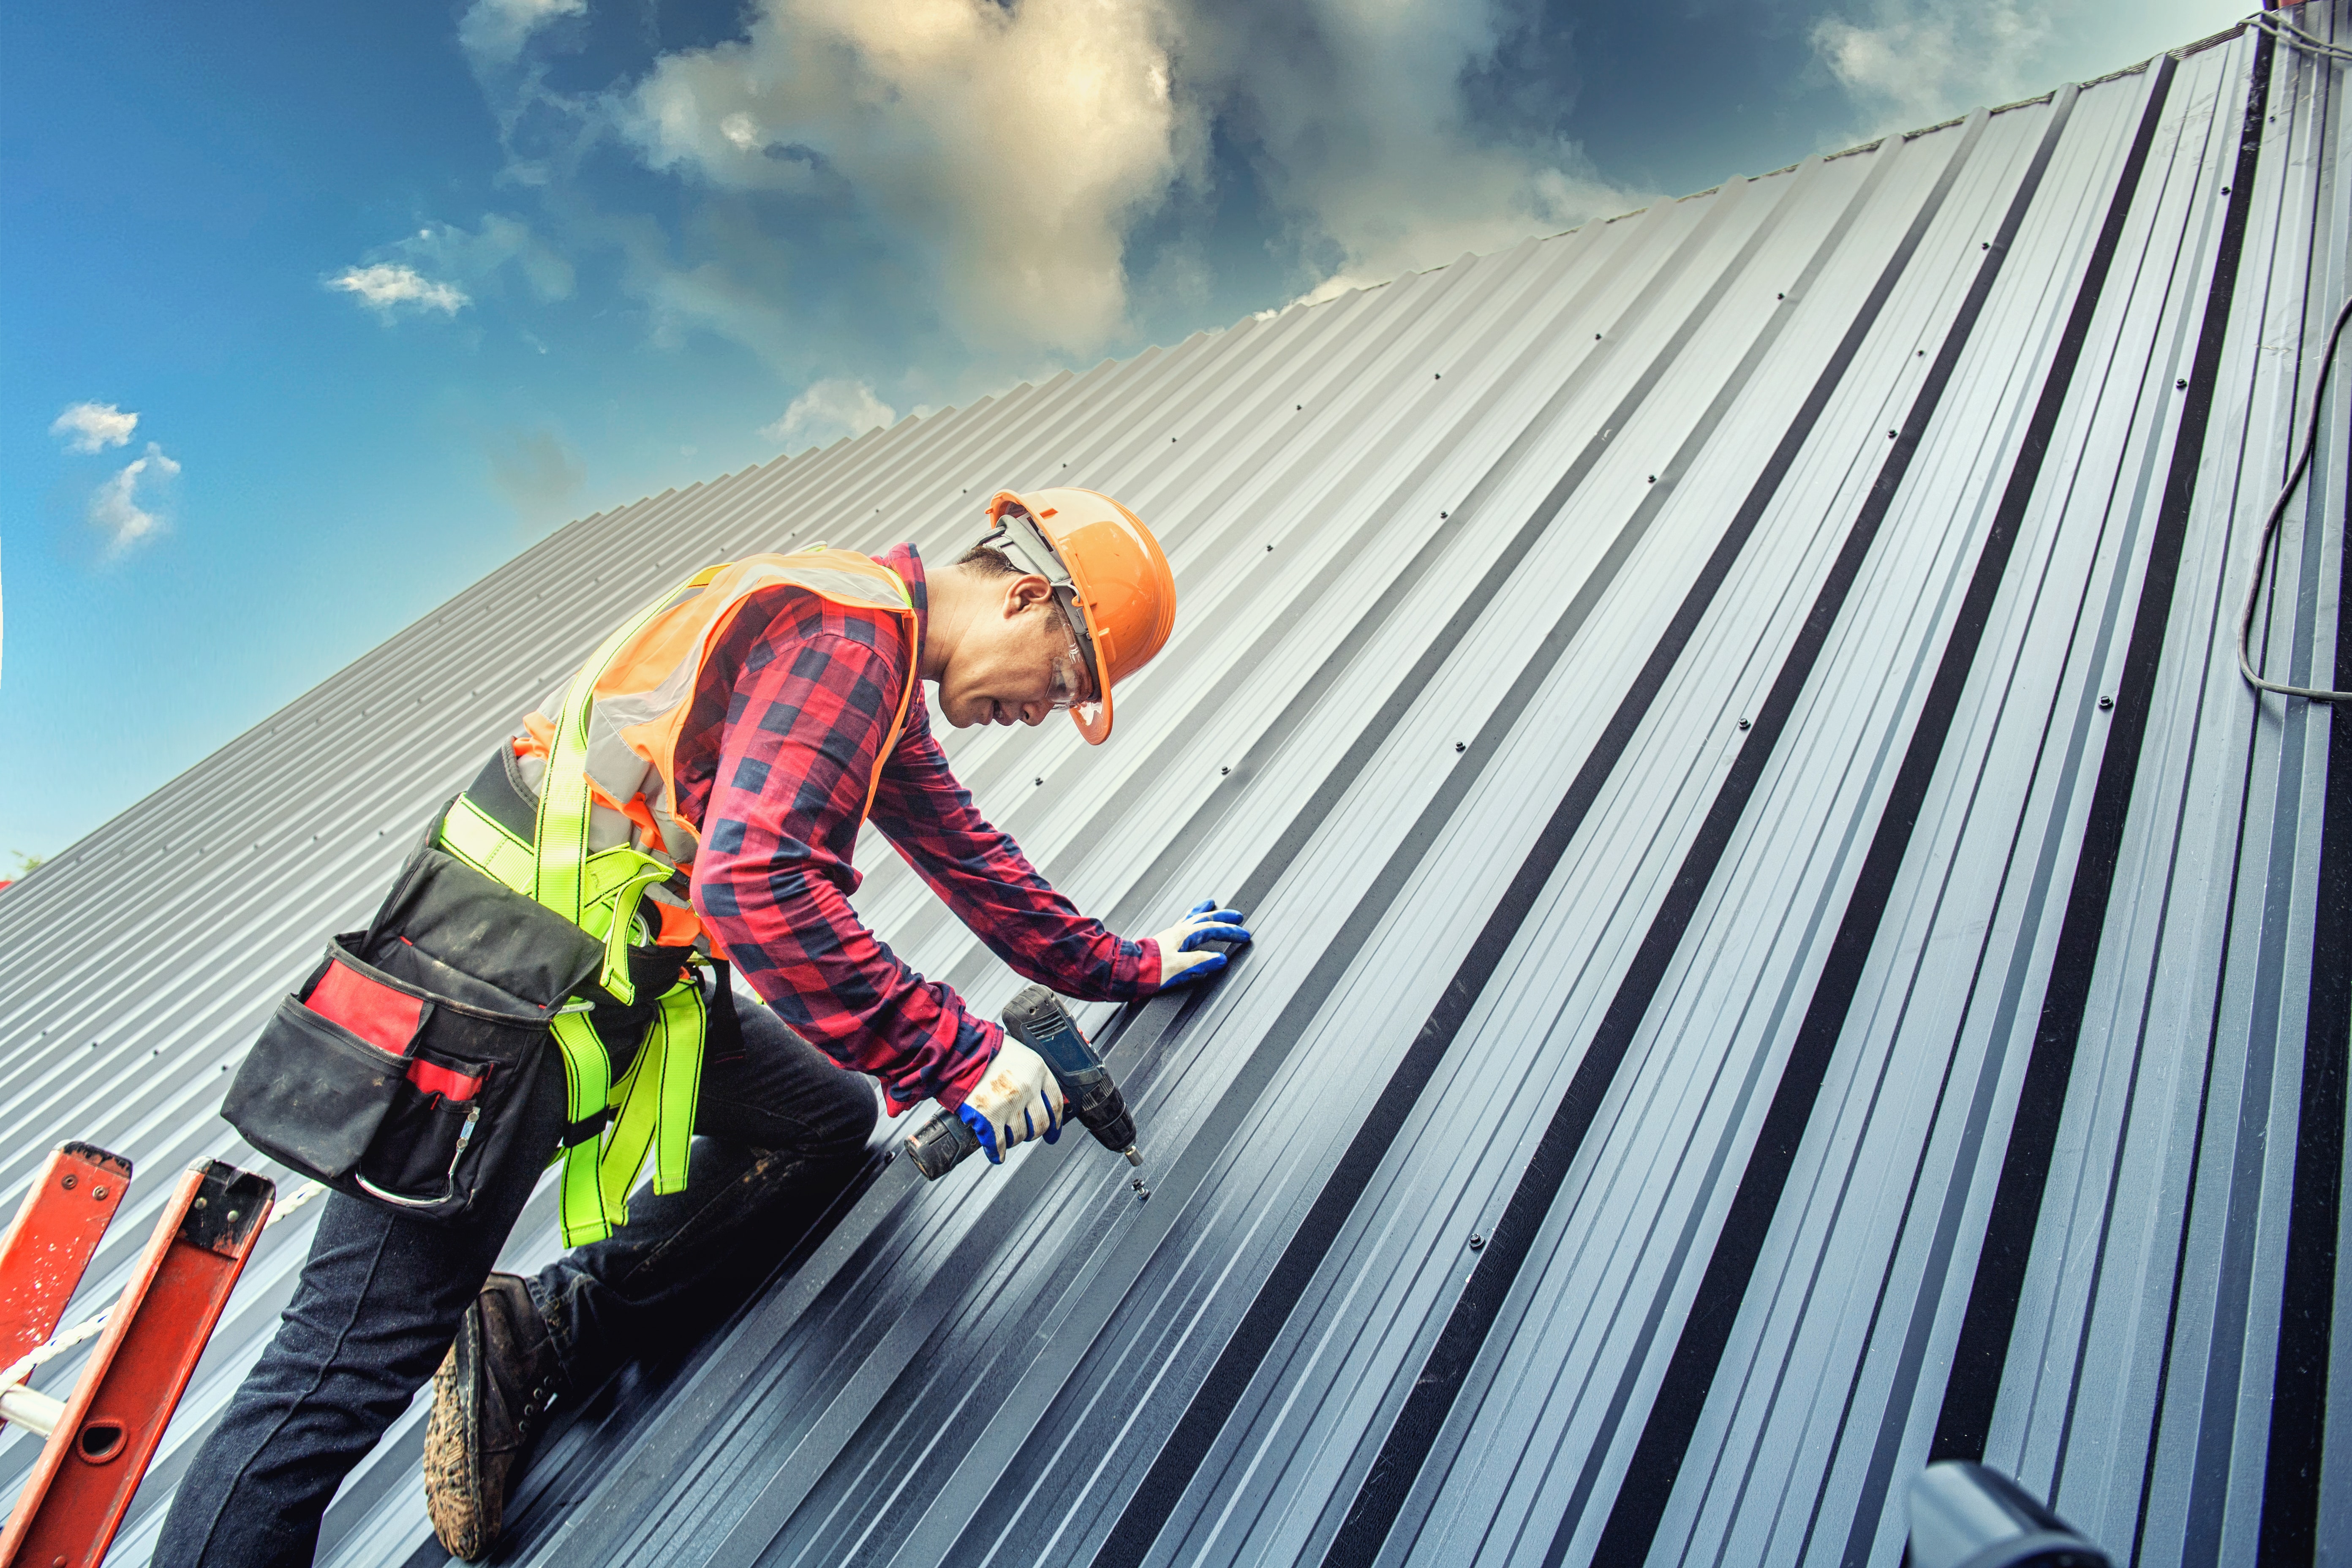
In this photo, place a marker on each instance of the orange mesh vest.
(640, 708)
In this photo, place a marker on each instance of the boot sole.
(453, 1483)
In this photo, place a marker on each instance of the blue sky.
(309, 315)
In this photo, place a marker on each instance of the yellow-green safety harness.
(612, 1124)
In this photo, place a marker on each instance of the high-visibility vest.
(610, 776)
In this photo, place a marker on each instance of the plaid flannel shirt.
(790, 709)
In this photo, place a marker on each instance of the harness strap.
(610, 1128)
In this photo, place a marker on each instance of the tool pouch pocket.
(402, 1071)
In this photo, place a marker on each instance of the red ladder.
(101, 1437)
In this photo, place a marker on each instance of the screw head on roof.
(2225, 189)
(1654, 478)
(1890, 434)
(99, 1192)
(1743, 723)
(1596, 337)
(1443, 515)
(1923, 354)
(1302, 408)
(1986, 246)
(1439, 375)
(1222, 771)
(1779, 296)
(1041, 781)
(1477, 1242)
(1269, 549)
(68, 1183)
(2182, 384)
(2105, 703)
(1460, 747)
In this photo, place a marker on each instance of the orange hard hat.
(1104, 563)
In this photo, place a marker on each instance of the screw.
(2105, 703)
(1041, 781)
(1269, 549)
(97, 1193)
(1986, 246)
(1890, 434)
(1654, 478)
(1439, 376)
(68, 1183)
(1923, 354)
(1596, 337)
(1443, 515)
(1222, 771)
(232, 1216)
(2225, 189)
(1477, 1242)
(2182, 384)
(1302, 408)
(1460, 747)
(1743, 723)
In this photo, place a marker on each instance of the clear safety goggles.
(1072, 687)
(1019, 538)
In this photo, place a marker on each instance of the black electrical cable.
(2270, 530)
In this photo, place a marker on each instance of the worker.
(802, 718)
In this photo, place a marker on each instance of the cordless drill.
(1038, 1020)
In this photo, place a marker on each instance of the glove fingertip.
(1204, 907)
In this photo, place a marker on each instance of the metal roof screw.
(2105, 703)
(2225, 189)
(68, 1183)
(1596, 337)
(1459, 746)
(232, 1215)
(1654, 478)
(1443, 515)
(2182, 384)
(1890, 434)
(1041, 781)
(1743, 723)
(1302, 408)
(1477, 1242)
(97, 1193)
(1923, 354)
(1269, 549)
(1779, 296)
(1986, 246)
(1222, 771)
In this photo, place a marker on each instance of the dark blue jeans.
(780, 1129)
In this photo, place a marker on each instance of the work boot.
(488, 1400)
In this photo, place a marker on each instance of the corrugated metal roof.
(1785, 947)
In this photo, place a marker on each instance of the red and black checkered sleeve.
(981, 873)
(809, 710)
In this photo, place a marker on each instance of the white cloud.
(494, 31)
(387, 286)
(1007, 147)
(93, 427)
(126, 509)
(829, 409)
(1910, 63)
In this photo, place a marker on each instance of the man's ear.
(1026, 593)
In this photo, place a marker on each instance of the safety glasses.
(1072, 686)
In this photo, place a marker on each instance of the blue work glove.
(1017, 1100)
(1184, 953)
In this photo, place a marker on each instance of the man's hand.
(1017, 1100)
(1184, 953)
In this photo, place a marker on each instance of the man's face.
(1014, 664)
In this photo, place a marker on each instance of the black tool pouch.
(402, 1072)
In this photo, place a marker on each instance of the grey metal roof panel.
(1710, 714)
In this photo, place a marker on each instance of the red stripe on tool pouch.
(446, 1082)
(383, 1017)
